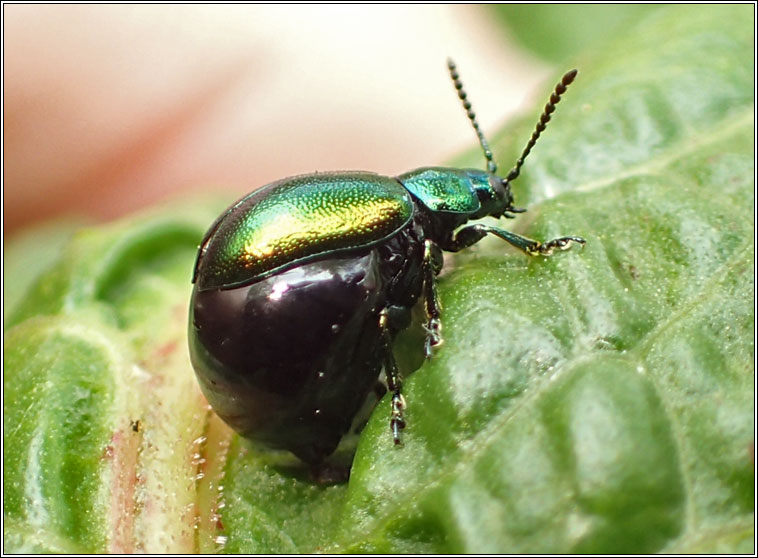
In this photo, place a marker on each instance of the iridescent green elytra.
(298, 219)
(301, 287)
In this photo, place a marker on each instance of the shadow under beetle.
(302, 285)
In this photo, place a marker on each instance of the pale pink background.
(110, 108)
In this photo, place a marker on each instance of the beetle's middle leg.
(472, 234)
(430, 268)
(394, 380)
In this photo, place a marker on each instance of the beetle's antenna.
(491, 166)
(560, 89)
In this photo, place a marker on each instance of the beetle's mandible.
(301, 286)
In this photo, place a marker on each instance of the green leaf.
(102, 412)
(559, 31)
(597, 401)
(58, 407)
(30, 253)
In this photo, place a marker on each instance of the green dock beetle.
(301, 286)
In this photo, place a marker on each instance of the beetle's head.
(494, 194)
(504, 206)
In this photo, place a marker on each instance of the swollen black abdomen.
(290, 359)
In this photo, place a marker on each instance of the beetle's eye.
(497, 191)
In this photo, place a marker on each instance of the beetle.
(301, 286)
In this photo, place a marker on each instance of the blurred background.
(108, 109)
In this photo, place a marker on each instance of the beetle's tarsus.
(432, 266)
(397, 422)
(433, 336)
(563, 243)
(394, 380)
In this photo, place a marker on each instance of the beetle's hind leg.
(431, 267)
(470, 235)
(394, 380)
(394, 318)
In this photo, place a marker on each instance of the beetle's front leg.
(467, 236)
(431, 267)
(394, 380)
